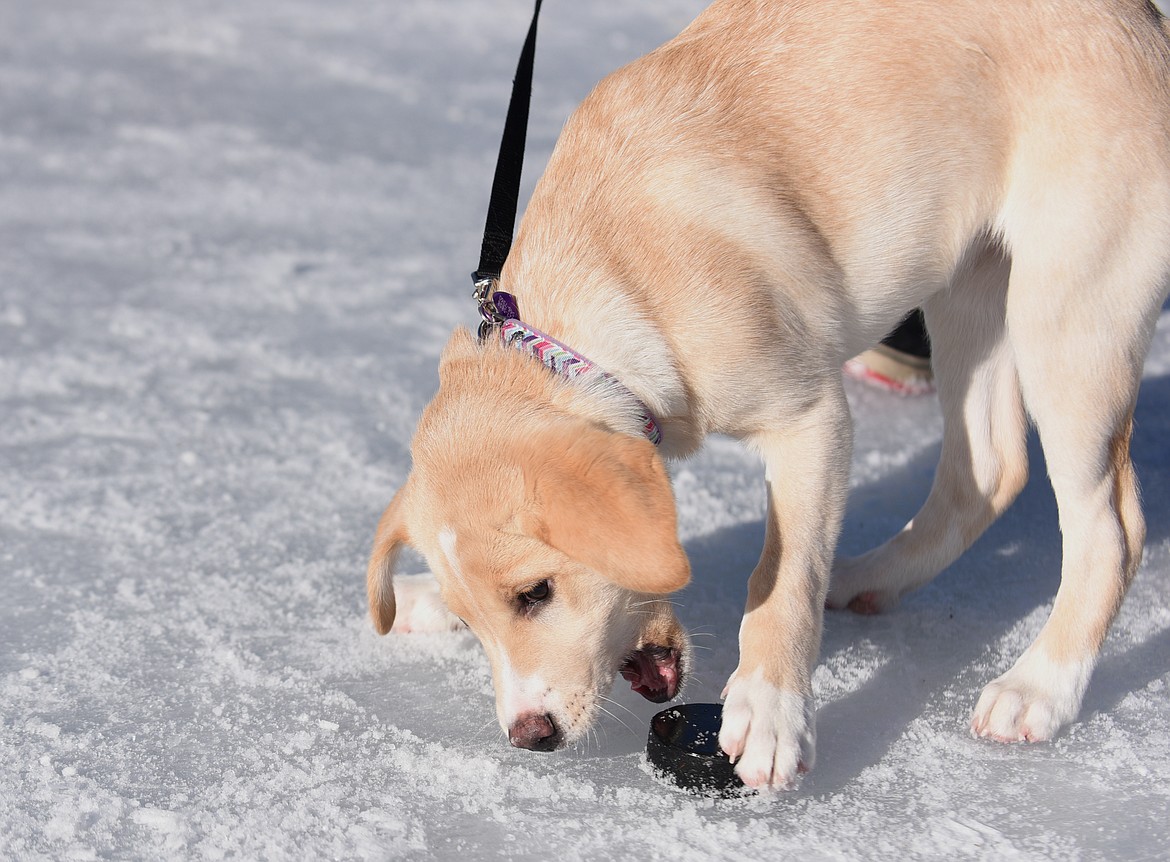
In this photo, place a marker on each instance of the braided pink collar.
(501, 310)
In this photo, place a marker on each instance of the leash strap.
(499, 309)
(501, 215)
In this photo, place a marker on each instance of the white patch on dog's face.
(447, 542)
(519, 694)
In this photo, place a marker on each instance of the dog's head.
(553, 538)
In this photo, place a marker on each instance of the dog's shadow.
(939, 644)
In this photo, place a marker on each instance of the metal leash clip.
(485, 288)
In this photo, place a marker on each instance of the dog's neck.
(566, 362)
(616, 335)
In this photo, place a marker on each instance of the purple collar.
(499, 310)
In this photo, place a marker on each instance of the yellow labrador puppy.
(722, 224)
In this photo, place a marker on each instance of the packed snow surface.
(235, 237)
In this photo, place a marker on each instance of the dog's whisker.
(689, 682)
(613, 702)
(485, 725)
(614, 717)
(654, 602)
(483, 729)
(649, 614)
(590, 738)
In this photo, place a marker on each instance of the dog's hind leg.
(983, 465)
(1081, 311)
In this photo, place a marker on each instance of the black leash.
(501, 216)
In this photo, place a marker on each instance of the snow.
(235, 238)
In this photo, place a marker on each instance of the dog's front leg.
(768, 722)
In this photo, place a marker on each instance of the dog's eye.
(535, 594)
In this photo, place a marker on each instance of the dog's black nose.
(535, 732)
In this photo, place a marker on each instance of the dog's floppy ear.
(388, 541)
(606, 502)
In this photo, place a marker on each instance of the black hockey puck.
(684, 747)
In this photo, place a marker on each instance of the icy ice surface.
(235, 236)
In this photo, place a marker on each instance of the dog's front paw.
(1032, 701)
(769, 733)
(420, 607)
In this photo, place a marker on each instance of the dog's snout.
(535, 731)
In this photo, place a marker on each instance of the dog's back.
(834, 126)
